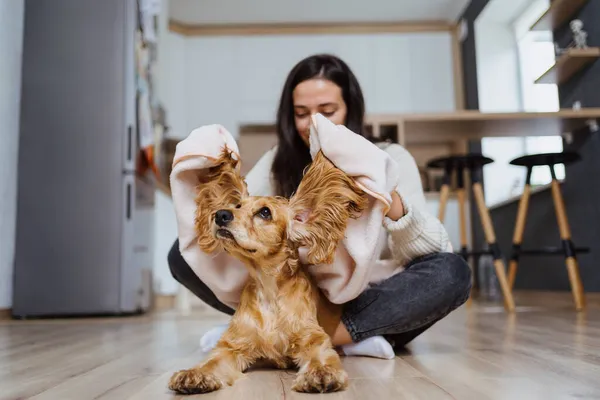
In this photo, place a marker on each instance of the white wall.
(171, 78)
(498, 74)
(11, 46)
(165, 233)
(536, 55)
(234, 80)
(171, 92)
(172, 82)
(313, 11)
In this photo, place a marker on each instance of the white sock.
(375, 346)
(209, 340)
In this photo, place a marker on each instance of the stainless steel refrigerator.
(84, 219)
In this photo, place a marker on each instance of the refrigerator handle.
(128, 206)
(129, 144)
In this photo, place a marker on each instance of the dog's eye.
(265, 213)
(238, 206)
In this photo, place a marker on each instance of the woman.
(434, 280)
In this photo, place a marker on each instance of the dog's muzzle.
(223, 217)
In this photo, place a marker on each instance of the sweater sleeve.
(418, 232)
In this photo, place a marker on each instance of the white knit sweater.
(416, 234)
(373, 248)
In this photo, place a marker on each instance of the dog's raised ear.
(219, 187)
(321, 207)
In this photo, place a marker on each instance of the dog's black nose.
(223, 217)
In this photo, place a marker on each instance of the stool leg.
(565, 235)
(490, 237)
(519, 229)
(444, 193)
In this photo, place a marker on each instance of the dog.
(282, 314)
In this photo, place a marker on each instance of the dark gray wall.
(581, 188)
(468, 54)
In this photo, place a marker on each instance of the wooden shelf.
(559, 12)
(472, 124)
(568, 64)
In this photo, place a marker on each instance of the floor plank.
(544, 351)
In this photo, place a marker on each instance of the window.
(535, 52)
(536, 55)
(544, 144)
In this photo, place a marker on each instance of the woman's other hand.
(396, 210)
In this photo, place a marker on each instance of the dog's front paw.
(321, 379)
(193, 381)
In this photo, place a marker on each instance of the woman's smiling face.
(317, 95)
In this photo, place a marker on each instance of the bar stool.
(473, 164)
(568, 248)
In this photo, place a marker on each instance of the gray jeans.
(399, 308)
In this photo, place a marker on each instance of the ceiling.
(312, 11)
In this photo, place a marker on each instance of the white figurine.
(557, 50)
(579, 35)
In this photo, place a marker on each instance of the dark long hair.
(292, 154)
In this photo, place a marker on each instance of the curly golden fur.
(282, 317)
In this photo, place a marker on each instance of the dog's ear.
(321, 207)
(220, 187)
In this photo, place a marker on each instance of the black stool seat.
(549, 159)
(466, 161)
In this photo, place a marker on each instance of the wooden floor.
(545, 351)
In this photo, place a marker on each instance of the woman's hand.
(396, 210)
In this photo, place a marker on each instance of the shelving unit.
(559, 12)
(471, 124)
(568, 64)
(431, 135)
